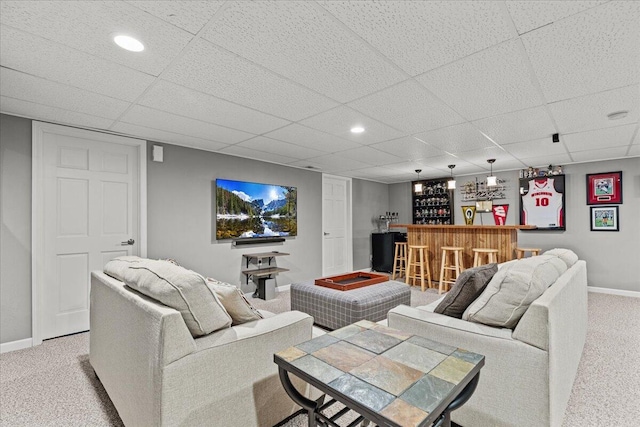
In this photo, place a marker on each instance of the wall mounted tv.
(252, 210)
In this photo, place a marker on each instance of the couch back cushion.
(181, 289)
(466, 290)
(567, 255)
(233, 300)
(117, 266)
(513, 288)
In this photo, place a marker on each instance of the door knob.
(326, 234)
(128, 242)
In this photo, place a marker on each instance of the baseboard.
(634, 294)
(16, 345)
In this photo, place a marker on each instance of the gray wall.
(15, 235)
(181, 215)
(400, 201)
(369, 200)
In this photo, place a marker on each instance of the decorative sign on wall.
(469, 213)
(500, 214)
(604, 188)
(479, 190)
(542, 202)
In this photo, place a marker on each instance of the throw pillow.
(513, 288)
(234, 301)
(181, 289)
(466, 290)
(567, 255)
(117, 266)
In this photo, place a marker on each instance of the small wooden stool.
(400, 260)
(418, 264)
(478, 253)
(446, 269)
(521, 252)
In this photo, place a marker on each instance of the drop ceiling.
(433, 83)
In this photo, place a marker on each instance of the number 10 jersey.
(542, 205)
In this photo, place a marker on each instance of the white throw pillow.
(117, 266)
(567, 255)
(513, 288)
(233, 300)
(181, 289)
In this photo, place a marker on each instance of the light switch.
(158, 153)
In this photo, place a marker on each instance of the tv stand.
(262, 274)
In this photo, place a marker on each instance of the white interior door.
(337, 255)
(90, 205)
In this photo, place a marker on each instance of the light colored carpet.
(54, 385)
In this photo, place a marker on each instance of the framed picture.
(604, 218)
(604, 188)
(542, 202)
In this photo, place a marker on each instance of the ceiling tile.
(338, 162)
(180, 100)
(22, 86)
(156, 135)
(340, 120)
(315, 167)
(601, 154)
(301, 41)
(43, 58)
(311, 138)
(210, 69)
(546, 160)
(409, 107)
(188, 15)
(589, 52)
(600, 138)
(480, 157)
(410, 167)
(409, 148)
(634, 150)
(590, 111)
(370, 155)
(250, 153)
(89, 26)
(529, 15)
(269, 145)
(527, 149)
(417, 35)
(456, 139)
(144, 116)
(375, 172)
(496, 79)
(523, 125)
(51, 114)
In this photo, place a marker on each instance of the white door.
(336, 221)
(90, 205)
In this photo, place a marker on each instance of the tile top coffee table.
(389, 377)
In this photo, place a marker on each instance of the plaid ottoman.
(334, 309)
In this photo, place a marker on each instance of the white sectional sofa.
(157, 374)
(529, 371)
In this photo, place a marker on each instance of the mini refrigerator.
(383, 250)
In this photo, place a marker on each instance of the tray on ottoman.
(349, 281)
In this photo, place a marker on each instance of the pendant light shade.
(417, 187)
(492, 180)
(451, 184)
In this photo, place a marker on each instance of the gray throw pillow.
(466, 290)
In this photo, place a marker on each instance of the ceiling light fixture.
(357, 129)
(451, 184)
(417, 187)
(492, 180)
(128, 43)
(617, 115)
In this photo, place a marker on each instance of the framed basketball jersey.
(542, 202)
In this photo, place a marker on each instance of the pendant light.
(417, 187)
(492, 180)
(451, 184)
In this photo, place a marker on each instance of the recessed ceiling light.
(357, 129)
(618, 115)
(128, 43)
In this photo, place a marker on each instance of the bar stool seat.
(418, 265)
(522, 252)
(479, 253)
(400, 260)
(449, 272)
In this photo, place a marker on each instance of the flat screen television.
(252, 210)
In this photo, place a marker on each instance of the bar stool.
(446, 269)
(521, 252)
(400, 260)
(478, 253)
(418, 264)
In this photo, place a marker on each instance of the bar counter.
(504, 238)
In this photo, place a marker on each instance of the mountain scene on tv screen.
(248, 209)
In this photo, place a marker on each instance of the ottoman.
(334, 309)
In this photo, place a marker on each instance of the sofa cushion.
(233, 300)
(513, 288)
(466, 290)
(181, 289)
(567, 255)
(117, 266)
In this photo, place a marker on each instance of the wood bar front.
(504, 238)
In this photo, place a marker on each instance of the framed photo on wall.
(604, 188)
(604, 218)
(542, 202)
